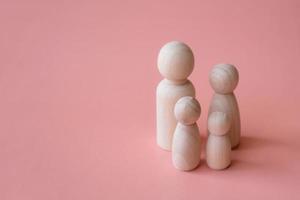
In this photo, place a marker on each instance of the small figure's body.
(224, 79)
(218, 146)
(175, 63)
(186, 147)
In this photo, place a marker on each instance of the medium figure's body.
(186, 147)
(175, 64)
(224, 79)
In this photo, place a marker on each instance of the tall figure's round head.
(187, 110)
(175, 61)
(224, 78)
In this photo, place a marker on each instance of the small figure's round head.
(224, 78)
(219, 123)
(175, 61)
(187, 110)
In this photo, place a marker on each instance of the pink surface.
(77, 104)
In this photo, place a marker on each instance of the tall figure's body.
(175, 64)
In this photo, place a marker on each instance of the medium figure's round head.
(175, 61)
(219, 123)
(224, 78)
(187, 110)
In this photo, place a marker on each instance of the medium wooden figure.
(218, 146)
(224, 79)
(175, 64)
(186, 146)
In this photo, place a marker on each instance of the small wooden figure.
(224, 79)
(175, 63)
(218, 146)
(186, 146)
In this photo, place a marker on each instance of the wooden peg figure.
(175, 63)
(218, 146)
(224, 79)
(186, 146)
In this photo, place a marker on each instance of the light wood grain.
(218, 151)
(219, 123)
(187, 110)
(218, 148)
(224, 79)
(186, 148)
(175, 63)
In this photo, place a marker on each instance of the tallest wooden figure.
(175, 63)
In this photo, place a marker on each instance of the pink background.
(77, 98)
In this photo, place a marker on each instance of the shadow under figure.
(250, 142)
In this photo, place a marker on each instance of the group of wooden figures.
(178, 110)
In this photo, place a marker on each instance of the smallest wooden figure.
(186, 146)
(218, 147)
